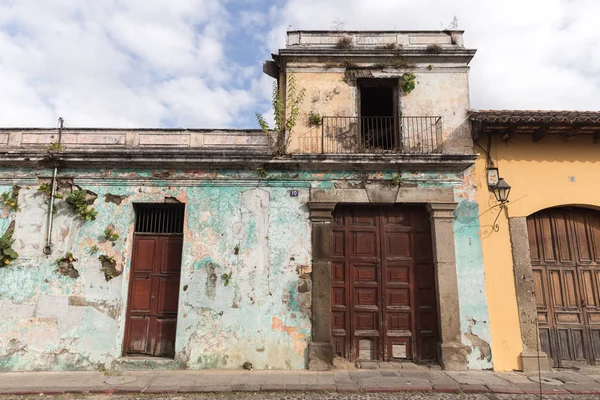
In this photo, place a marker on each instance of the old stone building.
(354, 233)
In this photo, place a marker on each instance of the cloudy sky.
(197, 63)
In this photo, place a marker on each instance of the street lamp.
(501, 191)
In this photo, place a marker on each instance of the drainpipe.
(48, 247)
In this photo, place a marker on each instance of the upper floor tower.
(398, 92)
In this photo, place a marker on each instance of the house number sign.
(293, 193)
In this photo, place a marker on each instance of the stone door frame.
(532, 356)
(441, 205)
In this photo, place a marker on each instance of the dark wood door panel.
(137, 332)
(563, 248)
(375, 301)
(141, 293)
(145, 254)
(171, 255)
(153, 295)
(168, 295)
(164, 343)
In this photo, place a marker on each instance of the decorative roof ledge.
(190, 148)
(375, 39)
(93, 138)
(228, 159)
(538, 123)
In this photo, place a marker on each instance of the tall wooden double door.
(565, 259)
(383, 294)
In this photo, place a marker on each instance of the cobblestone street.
(311, 396)
(402, 382)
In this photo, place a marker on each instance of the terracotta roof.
(550, 117)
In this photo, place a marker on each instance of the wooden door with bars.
(154, 283)
(565, 258)
(382, 284)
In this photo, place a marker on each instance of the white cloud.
(150, 63)
(139, 63)
(538, 54)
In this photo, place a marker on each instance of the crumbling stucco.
(263, 316)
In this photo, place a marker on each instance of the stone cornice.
(228, 159)
(463, 56)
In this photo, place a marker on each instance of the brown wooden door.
(153, 295)
(565, 258)
(382, 284)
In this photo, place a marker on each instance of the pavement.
(406, 378)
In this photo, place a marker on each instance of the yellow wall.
(539, 175)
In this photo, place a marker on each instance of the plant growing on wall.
(109, 267)
(226, 278)
(314, 119)
(397, 180)
(285, 113)
(261, 172)
(434, 48)
(7, 254)
(10, 199)
(65, 266)
(78, 201)
(345, 42)
(408, 82)
(53, 146)
(110, 234)
(46, 190)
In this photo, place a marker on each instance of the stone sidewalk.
(413, 378)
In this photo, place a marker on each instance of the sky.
(198, 63)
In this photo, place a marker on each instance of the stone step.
(145, 363)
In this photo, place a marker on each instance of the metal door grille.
(159, 218)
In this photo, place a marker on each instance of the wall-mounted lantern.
(501, 191)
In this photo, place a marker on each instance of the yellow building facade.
(541, 249)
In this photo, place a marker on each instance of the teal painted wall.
(50, 321)
(474, 317)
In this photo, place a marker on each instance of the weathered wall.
(539, 173)
(474, 317)
(50, 321)
(440, 91)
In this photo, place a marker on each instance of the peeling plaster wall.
(474, 318)
(441, 91)
(52, 322)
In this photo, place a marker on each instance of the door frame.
(532, 355)
(128, 275)
(420, 307)
(452, 354)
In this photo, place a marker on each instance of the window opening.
(378, 117)
(159, 218)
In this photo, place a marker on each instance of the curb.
(276, 388)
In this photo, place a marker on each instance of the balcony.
(375, 135)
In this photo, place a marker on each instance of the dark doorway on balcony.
(378, 113)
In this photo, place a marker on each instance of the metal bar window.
(159, 218)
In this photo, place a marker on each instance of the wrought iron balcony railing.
(356, 135)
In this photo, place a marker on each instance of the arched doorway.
(564, 244)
